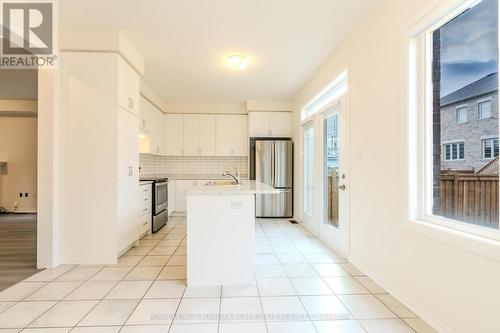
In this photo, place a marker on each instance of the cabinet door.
(171, 197)
(158, 130)
(191, 135)
(280, 124)
(174, 138)
(223, 143)
(128, 87)
(181, 189)
(128, 206)
(207, 135)
(145, 116)
(239, 137)
(258, 124)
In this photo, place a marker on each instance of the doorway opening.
(18, 175)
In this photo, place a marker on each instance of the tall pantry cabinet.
(99, 157)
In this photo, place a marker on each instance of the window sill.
(480, 245)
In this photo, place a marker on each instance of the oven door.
(161, 197)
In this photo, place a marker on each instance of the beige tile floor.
(300, 286)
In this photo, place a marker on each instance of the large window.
(309, 170)
(490, 148)
(453, 64)
(454, 151)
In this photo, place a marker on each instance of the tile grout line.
(258, 291)
(58, 301)
(118, 282)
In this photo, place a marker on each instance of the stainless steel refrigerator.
(271, 162)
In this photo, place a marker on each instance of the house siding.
(471, 133)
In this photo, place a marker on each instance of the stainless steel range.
(159, 202)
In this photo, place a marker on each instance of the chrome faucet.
(236, 176)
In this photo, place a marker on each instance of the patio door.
(334, 222)
(308, 174)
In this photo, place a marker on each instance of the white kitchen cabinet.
(181, 189)
(280, 124)
(128, 87)
(239, 135)
(99, 158)
(223, 138)
(145, 114)
(199, 135)
(232, 137)
(158, 131)
(152, 138)
(128, 179)
(207, 135)
(270, 124)
(145, 202)
(174, 136)
(258, 124)
(191, 133)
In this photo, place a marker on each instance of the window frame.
(457, 115)
(481, 102)
(452, 143)
(483, 146)
(417, 92)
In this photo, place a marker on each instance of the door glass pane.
(309, 170)
(331, 146)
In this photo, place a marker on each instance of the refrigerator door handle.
(273, 164)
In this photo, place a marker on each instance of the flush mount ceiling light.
(237, 61)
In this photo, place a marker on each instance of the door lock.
(342, 187)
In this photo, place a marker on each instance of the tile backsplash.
(174, 165)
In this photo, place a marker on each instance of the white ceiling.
(183, 42)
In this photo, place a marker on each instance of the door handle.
(342, 187)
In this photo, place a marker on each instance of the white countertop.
(246, 187)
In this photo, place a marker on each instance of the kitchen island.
(221, 233)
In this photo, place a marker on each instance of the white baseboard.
(421, 312)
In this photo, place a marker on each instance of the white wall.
(18, 147)
(454, 289)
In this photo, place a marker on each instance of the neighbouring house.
(469, 126)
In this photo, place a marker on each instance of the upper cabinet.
(145, 116)
(158, 131)
(231, 135)
(174, 134)
(152, 139)
(128, 87)
(199, 135)
(269, 124)
(207, 135)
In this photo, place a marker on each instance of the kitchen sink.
(221, 183)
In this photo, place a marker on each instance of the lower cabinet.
(145, 220)
(182, 187)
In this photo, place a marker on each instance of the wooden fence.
(333, 197)
(470, 198)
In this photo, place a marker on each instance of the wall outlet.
(237, 205)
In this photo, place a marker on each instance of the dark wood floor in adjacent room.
(17, 248)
